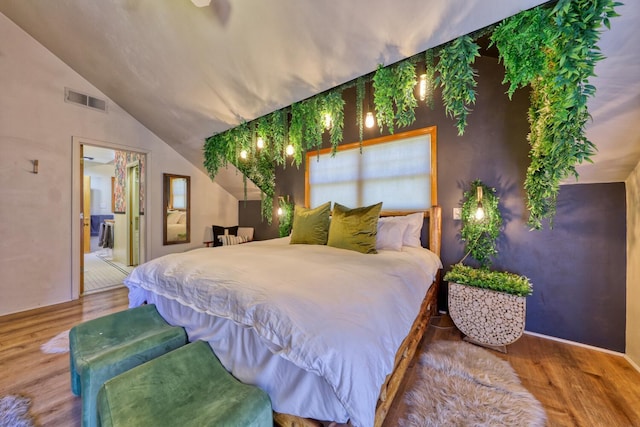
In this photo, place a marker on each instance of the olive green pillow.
(311, 226)
(355, 229)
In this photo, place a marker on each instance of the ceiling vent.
(84, 100)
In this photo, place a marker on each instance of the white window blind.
(396, 172)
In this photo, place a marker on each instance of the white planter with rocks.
(486, 317)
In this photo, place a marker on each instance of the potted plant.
(487, 306)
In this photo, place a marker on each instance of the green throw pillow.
(354, 229)
(311, 226)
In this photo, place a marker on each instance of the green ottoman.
(186, 387)
(102, 348)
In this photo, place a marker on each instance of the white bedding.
(337, 314)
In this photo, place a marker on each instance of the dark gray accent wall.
(578, 268)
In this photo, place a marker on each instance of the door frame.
(76, 203)
(130, 214)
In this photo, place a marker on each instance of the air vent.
(84, 100)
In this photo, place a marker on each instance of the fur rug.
(14, 412)
(57, 344)
(459, 384)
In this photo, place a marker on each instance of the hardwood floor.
(577, 386)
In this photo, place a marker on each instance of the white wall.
(36, 209)
(633, 266)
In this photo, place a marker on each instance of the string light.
(369, 121)
(290, 150)
(243, 154)
(327, 121)
(260, 143)
(423, 87)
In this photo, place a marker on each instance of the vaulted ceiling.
(187, 72)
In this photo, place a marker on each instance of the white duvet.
(337, 313)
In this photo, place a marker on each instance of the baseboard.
(632, 363)
(579, 344)
(590, 347)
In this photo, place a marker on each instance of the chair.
(102, 348)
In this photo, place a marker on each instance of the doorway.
(110, 201)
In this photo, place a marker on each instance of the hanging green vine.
(383, 91)
(404, 98)
(360, 88)
(333, 106)
(286, 217)
(457, 78)
(555, 51)
(393, 95)
(430, 71)
(480, 235)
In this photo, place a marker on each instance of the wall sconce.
(260, 143)
(35, 166)
(479, 215)
(422, 88)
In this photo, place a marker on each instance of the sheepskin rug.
(459, 384)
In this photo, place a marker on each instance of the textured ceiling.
(186, 72)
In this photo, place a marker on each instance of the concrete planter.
(489, 318)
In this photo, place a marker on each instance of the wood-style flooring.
(577, 386)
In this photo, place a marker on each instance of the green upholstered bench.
(102, 348)
(187, 387)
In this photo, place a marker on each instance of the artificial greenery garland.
(360, 89)
(393, 95)
(457, 78)
(480, 235)
(554, 50)
(430, 72)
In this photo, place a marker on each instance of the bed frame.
(408, 348)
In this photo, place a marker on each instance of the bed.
(326, 332)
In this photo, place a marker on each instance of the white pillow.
(413, 222)
(390, 234)
(414, 229)
(183, 218)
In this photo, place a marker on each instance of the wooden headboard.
(434, 217)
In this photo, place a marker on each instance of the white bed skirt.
(292, 390)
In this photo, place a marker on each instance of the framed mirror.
(177, 213)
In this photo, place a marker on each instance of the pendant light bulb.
(290, 150)
(260, 143)
(279, 211)
(327, 121)
(369, 121)
(422, 88)
(243, 154)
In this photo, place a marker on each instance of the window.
(399, 170)
(178, 193)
